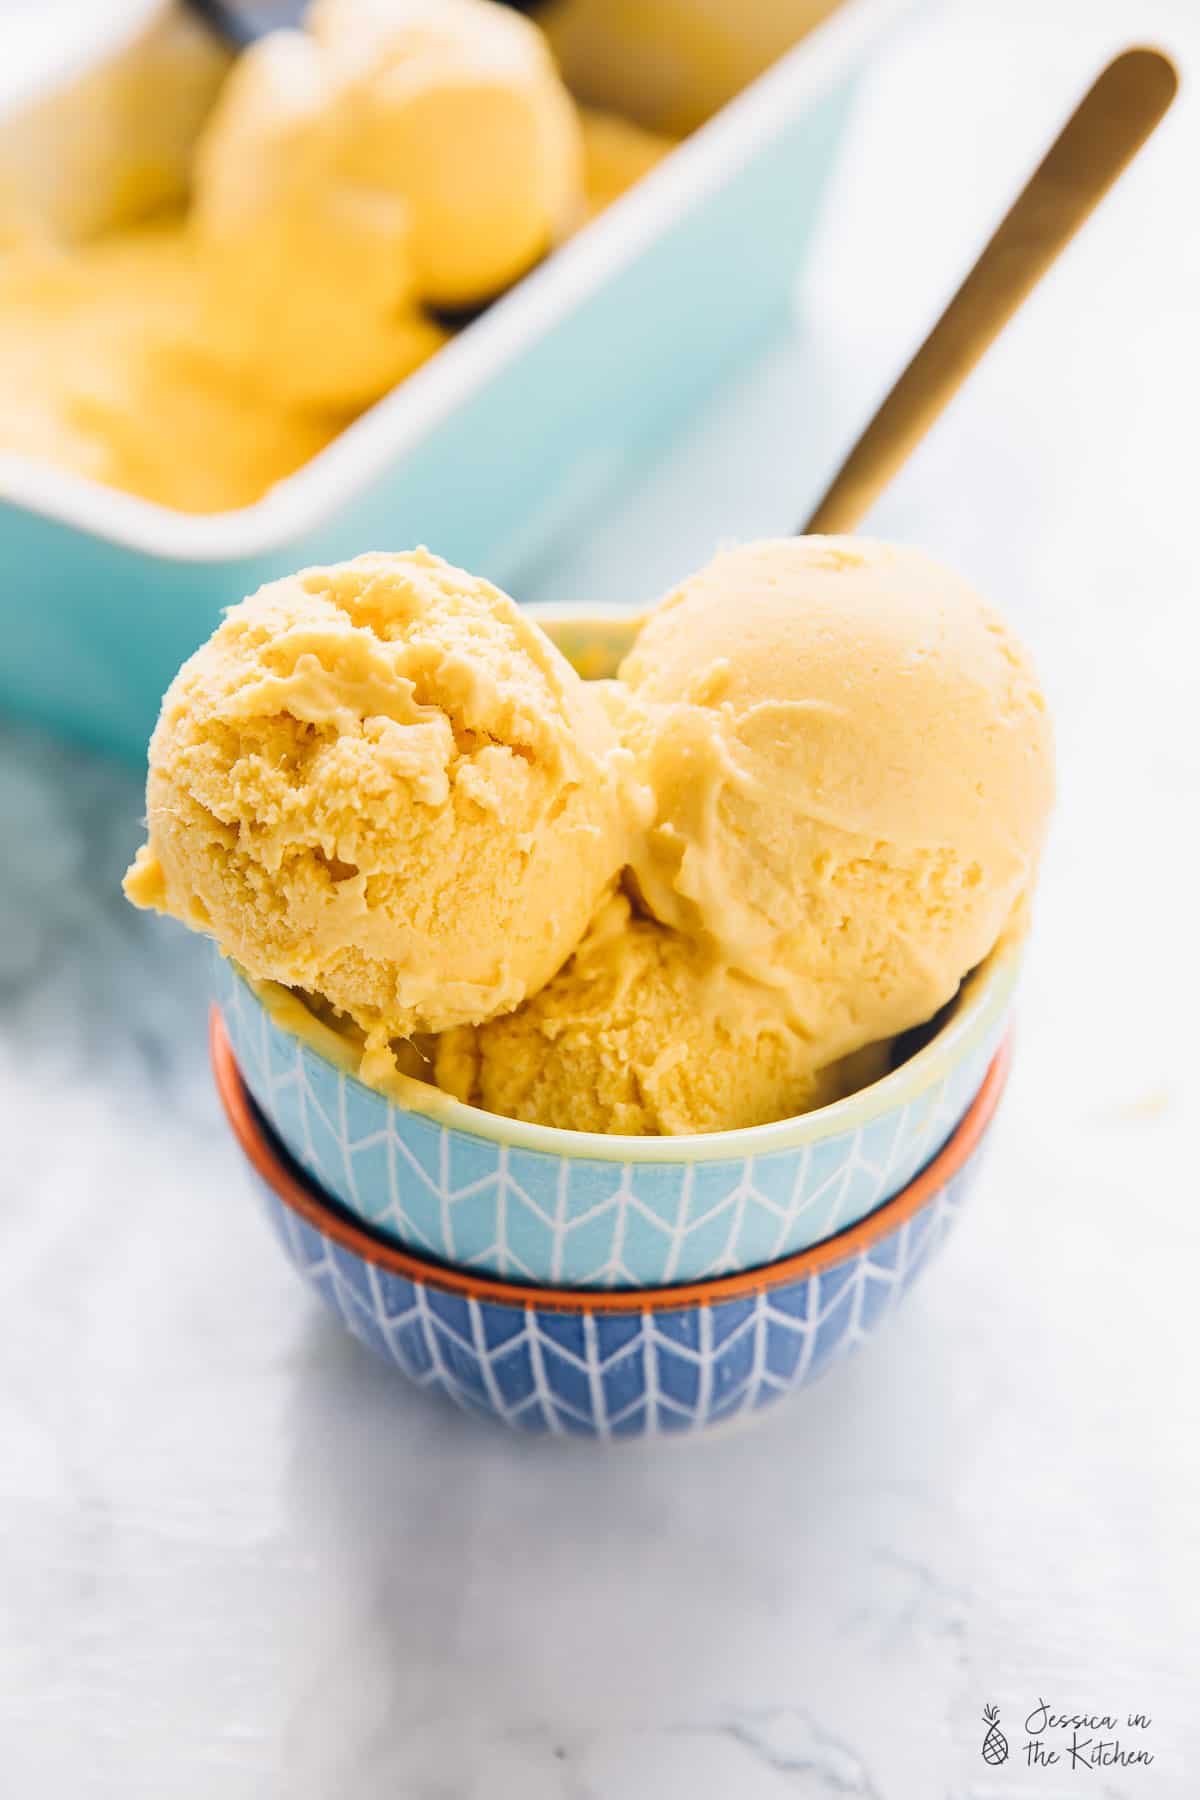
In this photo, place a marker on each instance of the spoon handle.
(1103, 134)
(239, 24)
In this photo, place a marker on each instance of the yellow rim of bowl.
(980, 1008)
(302, 1195)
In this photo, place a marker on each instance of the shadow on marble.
(571, 1597)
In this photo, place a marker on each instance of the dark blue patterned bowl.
(619, 1363)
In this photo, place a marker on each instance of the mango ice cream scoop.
(645, 1032)
(852, 767)
(457, 109)
(381, 784)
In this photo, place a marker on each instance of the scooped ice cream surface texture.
(852, 764)
(644, 1032)
(708, 894)
(379, 783)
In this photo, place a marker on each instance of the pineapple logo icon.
(995, 1744)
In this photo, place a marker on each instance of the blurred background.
(236, 1562)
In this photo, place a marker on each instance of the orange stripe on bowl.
(317, 1211)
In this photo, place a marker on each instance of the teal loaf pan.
(486, 452)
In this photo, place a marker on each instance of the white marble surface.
(238, 1559)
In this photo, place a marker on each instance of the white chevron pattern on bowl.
(618, 1375)
(486, 1198)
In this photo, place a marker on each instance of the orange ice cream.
(852, 765)
(381, 784)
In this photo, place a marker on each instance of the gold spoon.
(1103, 134)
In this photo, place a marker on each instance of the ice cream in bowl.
(618, 981)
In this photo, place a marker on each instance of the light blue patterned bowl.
(581, 1210)
(610, 1365)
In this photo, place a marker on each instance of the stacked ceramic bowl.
(565, 1281)
(607, 1286)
